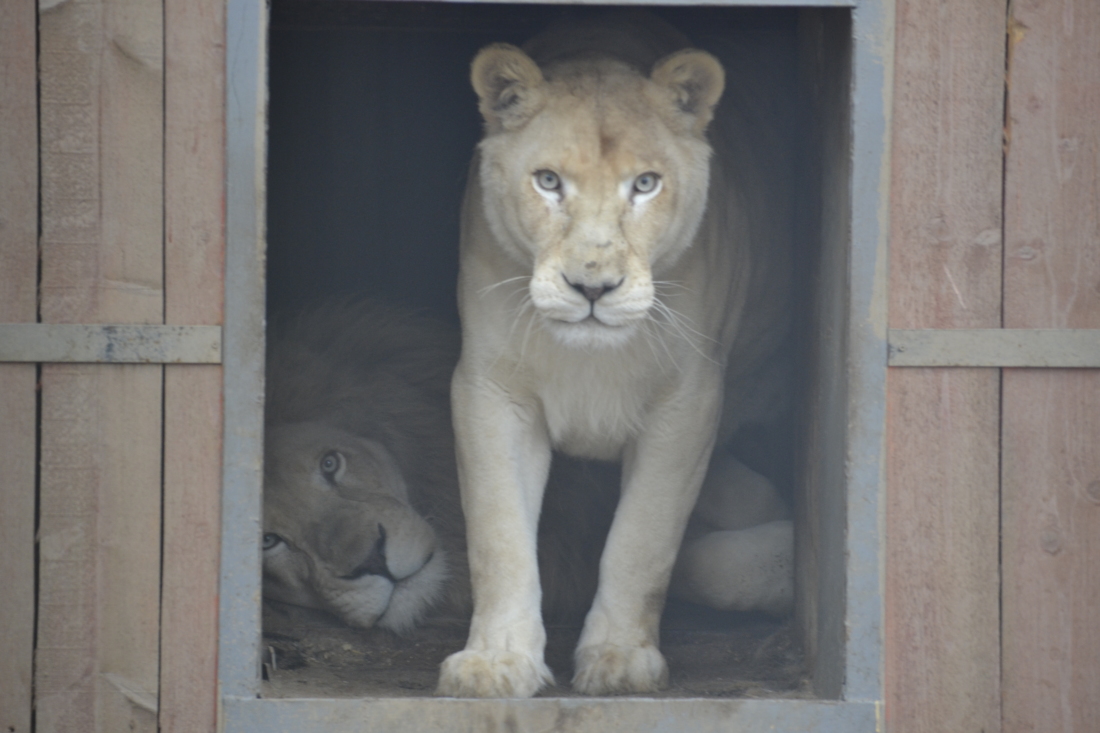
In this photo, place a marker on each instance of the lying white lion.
(361, 503)
(359, 481)
(362, 517)
(620, 291)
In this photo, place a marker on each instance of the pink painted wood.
(18, 303)
(942, 585)
(1051, 441)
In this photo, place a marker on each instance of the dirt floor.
(710, 654)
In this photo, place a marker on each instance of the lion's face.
(339, 533)
(595, 181)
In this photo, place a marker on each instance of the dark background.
(373, 121)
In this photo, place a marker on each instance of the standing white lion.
(621, 290)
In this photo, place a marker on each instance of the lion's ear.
(694, 81)
(508, 85)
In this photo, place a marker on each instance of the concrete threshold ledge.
(561, 715)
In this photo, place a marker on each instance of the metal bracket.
(995, 347)
(110, 344)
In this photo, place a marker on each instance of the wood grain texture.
(194, 286)
(192, 529)
(942, 635)
(945, 224)
(102, 132)
(1052, 174)
(99, 549)
(19, 171)
(1051, 465)
(942, 584)
(1051, 537)
(101, 102)
(18, 303)
(17, 544)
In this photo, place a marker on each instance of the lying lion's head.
(357, 452)
(339, 532)
(594, 176)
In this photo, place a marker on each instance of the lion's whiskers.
(489, 288)
(652, 334)
(660, 287)
(665, 328)
(532, 322)
(524, 304)
(679, 325)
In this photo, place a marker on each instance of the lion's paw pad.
(607, 669)
(492, 674)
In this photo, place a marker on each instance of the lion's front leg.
(503, 460)
(662, 472)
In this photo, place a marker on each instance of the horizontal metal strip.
(995, 347)
(111, 344)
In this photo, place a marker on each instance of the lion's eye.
(647, 182)
(331, 463)
(271, 541)
(548, 181)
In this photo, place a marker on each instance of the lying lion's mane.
(383, 373)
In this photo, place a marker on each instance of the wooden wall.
(129, 229)
(993, 506)
(18, 303)
(113, 110)
(1050, 471)
(194, 256)
(942, 605)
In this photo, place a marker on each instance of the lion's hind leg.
(739, 569)
(735, 497)
(738, 554)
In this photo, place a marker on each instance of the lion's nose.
(375, 564)
(593, 292)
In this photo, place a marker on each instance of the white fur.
(636, 375)
(747, 569)
(307, 567)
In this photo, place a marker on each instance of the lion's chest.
(594, 407)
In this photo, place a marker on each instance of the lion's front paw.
(492, 674)
(606, 669)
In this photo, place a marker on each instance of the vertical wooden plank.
(194, 288)
(18, 303)
(942, 584)
(101, 102)
(1051, 537)
(1051, 469)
